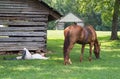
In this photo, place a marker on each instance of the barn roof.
(53, 14)
(70, 17)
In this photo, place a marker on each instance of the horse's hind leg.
(67, 58)
(82, 51)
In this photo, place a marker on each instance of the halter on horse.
(81, 35)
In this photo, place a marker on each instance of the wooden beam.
(15, 46)
(7, 22)
(19, 48)
(22, 34)
(32, 13)
(11, 44)
(9, 29)
(25, 19)
(22, 39)
(21, 15)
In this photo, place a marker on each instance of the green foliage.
(95, 12)
(107, 67)
(51, 25)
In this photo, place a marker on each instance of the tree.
(99, 13)
(114, 35)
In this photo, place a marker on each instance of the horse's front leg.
(66, 56)
(90, 57)
(82, 51)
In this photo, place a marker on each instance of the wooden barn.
(69, 18)
(25, 24)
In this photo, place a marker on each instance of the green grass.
(108, 67)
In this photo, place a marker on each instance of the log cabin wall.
(15, 38)
(26, 22)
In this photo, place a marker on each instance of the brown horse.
(81, 35)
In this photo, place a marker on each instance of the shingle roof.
(70, 18)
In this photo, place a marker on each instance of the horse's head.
(97, 50)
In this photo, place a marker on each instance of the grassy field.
(108, 67)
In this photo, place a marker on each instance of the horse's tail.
(66, 42)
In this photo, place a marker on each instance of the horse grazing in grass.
(81, 35)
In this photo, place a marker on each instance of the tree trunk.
(114, 35)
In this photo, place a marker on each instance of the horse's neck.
(97, 43)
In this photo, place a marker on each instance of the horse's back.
(80, 34)
(72, 29)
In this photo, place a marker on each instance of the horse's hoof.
(80, 60)
(70, 62)
(98, 58)
(65, 63)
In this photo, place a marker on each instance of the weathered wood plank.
(10, 2)
(19, 48)
(37, 19)
(24, 18)
(23, 10)
(7, 22)
(13, 4)
(16, 1)
(9, 29)
(22, 34)
(11, 44)
(13, 7)
(33, 13)
(10, 9)
(21, 15)
(22, 39)
(15, 46)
